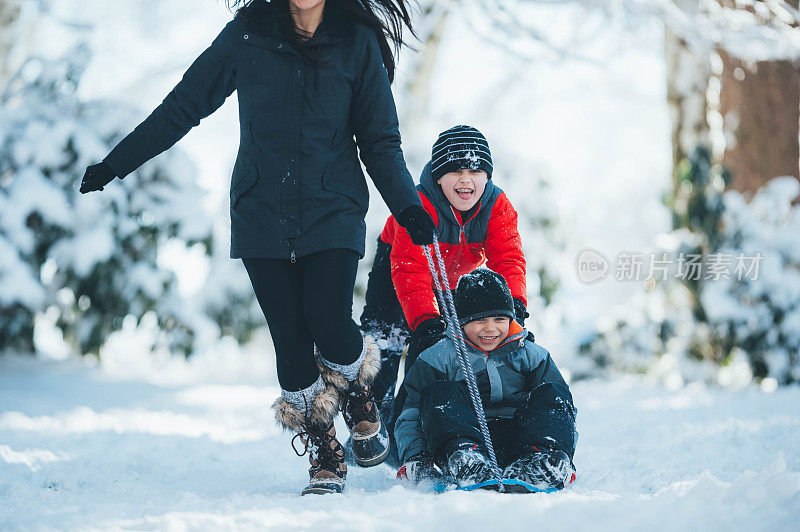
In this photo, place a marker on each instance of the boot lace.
(359, 406)
(316, 443)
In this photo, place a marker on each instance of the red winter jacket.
(490, 235)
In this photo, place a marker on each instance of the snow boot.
(420, 470)
(313, 426)
(369, 440)
(326, 456)
(468, 465)
(543, 468)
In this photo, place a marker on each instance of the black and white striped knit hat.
(460, 147)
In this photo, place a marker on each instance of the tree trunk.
(688, 74)
(760, 106)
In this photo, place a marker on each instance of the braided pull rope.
(449, 312)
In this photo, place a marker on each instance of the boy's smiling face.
(464, 188)
(487, 333)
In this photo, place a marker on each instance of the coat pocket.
(243, 182)
(333, 183)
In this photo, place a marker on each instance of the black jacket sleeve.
(540, 368)
(206, 84)
(374, 118)
(546, 371)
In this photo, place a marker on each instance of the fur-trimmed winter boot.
(369, 439)
(309, 415)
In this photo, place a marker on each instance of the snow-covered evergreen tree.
(227, 296)
(92, 257)
(747, 309)
(758, 314)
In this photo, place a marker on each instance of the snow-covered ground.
(147, 443)
(182, 446)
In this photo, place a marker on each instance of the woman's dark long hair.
(385, 17)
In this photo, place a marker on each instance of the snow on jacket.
(297, 186)
(505, 376)
(490, 235)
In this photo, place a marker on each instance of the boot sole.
(371, 462)
(369, 451)
(322, 488)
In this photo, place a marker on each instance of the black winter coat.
(297, 186)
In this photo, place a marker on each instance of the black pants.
(305, 303)
(546, 419)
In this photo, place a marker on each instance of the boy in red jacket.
(475, 224)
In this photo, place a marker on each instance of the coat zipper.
(462, 237)
(293, 257)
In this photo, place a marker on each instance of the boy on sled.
(528, 405)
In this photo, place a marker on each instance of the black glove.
(425, 335)
(520, 311)
(419, 468)
(96, 177)
(418, 223)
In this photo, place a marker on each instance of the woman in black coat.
(313, 83)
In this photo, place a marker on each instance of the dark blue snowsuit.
(525, 398)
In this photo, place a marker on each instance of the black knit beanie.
(460, 147)
(483, 293)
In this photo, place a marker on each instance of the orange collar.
(513, 330)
